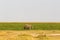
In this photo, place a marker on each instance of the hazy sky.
(30, 10)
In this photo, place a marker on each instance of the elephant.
(27, 26)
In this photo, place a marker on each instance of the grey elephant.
(27, 26)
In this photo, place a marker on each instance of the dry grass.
(29, 35)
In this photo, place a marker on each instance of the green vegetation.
(36, 26)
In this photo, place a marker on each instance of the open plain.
(30, 35)
(39, 31)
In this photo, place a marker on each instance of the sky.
(29, 10)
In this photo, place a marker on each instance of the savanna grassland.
(35, 26)
(39, 31)
(29, 35)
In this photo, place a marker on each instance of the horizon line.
(29, 22)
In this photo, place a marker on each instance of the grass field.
(29, 35)
(39, 31)
(36, 26)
